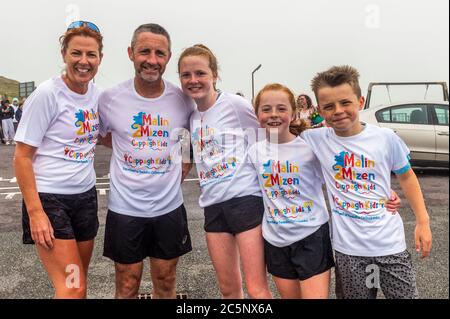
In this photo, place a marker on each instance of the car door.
(441, 128)
(413, 124)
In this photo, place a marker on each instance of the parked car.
(423, 126)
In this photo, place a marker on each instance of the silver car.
(423, 126)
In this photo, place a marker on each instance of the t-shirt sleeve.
(399, 155)
(317, 170)
(245, 113)
(103, 107)
(39, 111)
(190, 106)
(307, 136)
(246, 116)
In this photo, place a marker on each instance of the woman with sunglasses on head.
(53, 161)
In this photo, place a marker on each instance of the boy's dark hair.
(152, 28)
(336, 76)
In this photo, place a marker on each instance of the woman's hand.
(41, 230)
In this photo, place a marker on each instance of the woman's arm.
(41, 228)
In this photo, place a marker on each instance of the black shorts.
(234, 216)
(304, 259)
(71, 216)
(129, 240)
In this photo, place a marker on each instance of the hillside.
(9, 87)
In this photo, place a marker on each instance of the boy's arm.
(411, 188)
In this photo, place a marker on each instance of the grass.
(8, 87)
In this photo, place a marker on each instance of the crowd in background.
(10, 116)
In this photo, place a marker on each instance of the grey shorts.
(361, 277)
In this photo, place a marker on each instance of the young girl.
(295, 227)
(230, 193)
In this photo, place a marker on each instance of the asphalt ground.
(23, 277)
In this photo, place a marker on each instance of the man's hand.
(105, 141)
(186, 168)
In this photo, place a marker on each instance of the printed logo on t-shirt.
(87, 127)
(218, 173)
(149, 133)
(282, 187)
(148, 130)
(205, 144)
(211, 152)
(354, 174)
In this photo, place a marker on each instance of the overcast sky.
(387, 40)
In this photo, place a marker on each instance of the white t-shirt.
(64, 127)
(357, 172)
(220, 139)
(291, 179)
(145, 164)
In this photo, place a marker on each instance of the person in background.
(305, 109)
(19, 111)
(2, 140)
(7, 112)
(15, 106)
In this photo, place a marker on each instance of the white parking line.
(101, 191)
(14, 180)
(6, 188)
(9, 196)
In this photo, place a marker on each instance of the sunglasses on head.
(79, 24)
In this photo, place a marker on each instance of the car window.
(384, 116)
(409, 114)
(441, 114)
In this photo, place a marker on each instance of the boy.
(357, 160)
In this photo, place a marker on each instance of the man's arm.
(105, 141)
(411, 188)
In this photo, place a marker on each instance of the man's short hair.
(153, 28)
